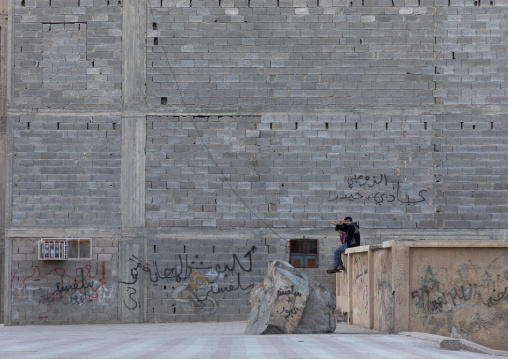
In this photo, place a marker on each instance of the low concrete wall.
(453, 288)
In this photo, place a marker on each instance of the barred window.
(303, 253)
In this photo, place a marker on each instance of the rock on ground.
(288, 302)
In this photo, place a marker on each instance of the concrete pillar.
(400, 285)
(3, 147)
(132, 286)
(132, 247)
(134, 52)
(370, 263)
(133, 171)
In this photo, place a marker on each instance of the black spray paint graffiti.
(433, 298)
(364, 185)
(288, 312)
(288, 293)
(191, 277)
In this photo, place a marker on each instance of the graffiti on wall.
(440, 293)
(377, 190)
(197, 285)
(77, 286)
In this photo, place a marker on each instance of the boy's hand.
(332, 221)
(340, 221)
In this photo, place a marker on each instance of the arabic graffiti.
(436, 296)
(368, 181)
(87, 285)
(288, 312)
(198, 284)
(289, 293)
(361, 188)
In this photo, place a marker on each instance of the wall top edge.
(442, 243)
(448, 243)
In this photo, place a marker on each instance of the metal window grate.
(65, 248)
(52, 249)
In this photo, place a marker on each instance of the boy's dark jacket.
(352, 233)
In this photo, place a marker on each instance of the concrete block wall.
(67, 52)
(202, 279)
(289, 171)
(470, 171)
(471, 54)
(66, 171)
(243, 124)
(63, 292)
(286, 53)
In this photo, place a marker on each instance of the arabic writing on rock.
(379, 190)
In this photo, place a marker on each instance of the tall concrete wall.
(180, 135)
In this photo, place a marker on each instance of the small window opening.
(303, 253)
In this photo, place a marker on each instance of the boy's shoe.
(335, 270)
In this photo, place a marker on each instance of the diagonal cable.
(185, 106)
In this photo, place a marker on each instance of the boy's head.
(348, 220)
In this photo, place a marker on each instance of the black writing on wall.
(377, 189)
(196, 285)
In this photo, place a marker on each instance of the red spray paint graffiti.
(86, 285)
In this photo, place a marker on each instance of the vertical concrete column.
(132, 245)
(349, 273)
(132, 180)
(4, 173)
(134, 52)
(370, 264)
(132, 286)
(400, 283)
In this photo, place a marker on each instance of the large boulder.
(288, 302)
